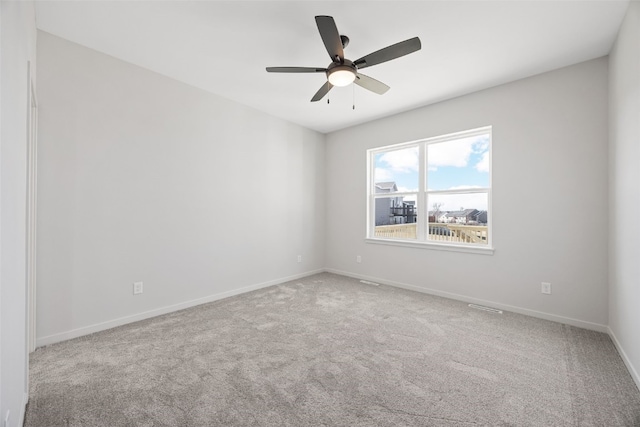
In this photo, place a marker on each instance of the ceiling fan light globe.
(341, 76)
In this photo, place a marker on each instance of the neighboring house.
(434, 216)
(386, 187)
(388, 209)
(480, 217)
(463, 216)
(405, 214)
(438, 216)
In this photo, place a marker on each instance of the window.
(434, 192)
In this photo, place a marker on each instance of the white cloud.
(451, 153)
(457, 152)
(401, 161)
(463, 187)
(481, 144)
(383, 175)
(483, 164)
(406, 189)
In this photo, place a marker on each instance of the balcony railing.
(455, 233)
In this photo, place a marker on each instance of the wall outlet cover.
(137, 288)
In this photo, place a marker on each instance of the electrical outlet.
(358, 259)
(546, 288)
(137, 288)
(299, 258)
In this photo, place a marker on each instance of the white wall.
(624, 190)
(18, 40)
(143, 178)
(549, 198)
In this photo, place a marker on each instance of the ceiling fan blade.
(322, 92)
(330, 36)
(388, 53)
(295, 70)
(371, 84)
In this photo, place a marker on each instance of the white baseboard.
(632, 370)
(533, 313)
(86, 330)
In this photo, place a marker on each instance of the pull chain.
(354, 97)
(328, 88)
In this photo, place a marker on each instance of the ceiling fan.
(341, 71)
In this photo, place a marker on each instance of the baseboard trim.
(632, 370)
(514, 309)
(97, 327)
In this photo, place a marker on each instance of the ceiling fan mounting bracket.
(345, 40)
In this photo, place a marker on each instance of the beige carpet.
(330, 351)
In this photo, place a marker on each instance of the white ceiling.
(224, 46)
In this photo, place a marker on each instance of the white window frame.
(421, 240)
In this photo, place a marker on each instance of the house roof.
(388, 186)
(462, 213)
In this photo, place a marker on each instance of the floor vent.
(366, 282)
(481, 307)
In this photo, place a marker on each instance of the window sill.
(433, 246)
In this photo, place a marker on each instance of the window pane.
(455, 201)
(396, 217)
(460, 163)
(396, 170)
(458, 218)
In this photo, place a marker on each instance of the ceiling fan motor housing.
(341, 74)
